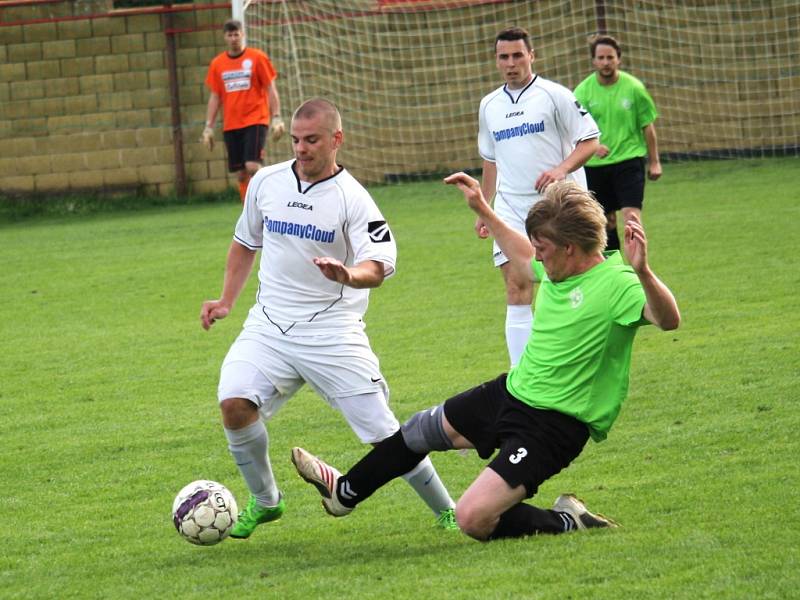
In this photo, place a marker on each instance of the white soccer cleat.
(574, 507)
(322, 476)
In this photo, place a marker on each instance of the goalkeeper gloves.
(208, 138)
(277, 128)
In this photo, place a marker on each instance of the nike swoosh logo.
(373, 380)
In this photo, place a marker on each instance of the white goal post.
(238, 11)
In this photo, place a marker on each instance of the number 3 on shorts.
(515, 458)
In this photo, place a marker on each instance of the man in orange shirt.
(242, 80)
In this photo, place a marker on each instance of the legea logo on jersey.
(306, 231)
(518, 131)
(379, 231)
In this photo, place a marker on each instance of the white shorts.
(268, 369)
(513, 210)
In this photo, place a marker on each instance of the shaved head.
(320, 106)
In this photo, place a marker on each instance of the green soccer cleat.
(447, 520)
(253, 515)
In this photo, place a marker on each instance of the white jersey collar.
(307, 185)
(522, 91)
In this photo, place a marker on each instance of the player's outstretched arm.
(367, 274)
(582, 152)
(488, 188)
(661, 308)
(514, 245)
(237, 270)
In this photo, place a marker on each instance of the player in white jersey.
(323, 244)
(531, 132)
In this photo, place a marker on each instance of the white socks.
(249, 449)
(519, 321)
(425, 481)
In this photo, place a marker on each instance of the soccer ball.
(204, 512)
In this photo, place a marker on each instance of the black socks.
(389, 459)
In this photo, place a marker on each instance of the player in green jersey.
(626, 114)
(568, 386)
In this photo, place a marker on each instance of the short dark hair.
(605, 40)
(315, 106)
(511, 34)
(232, 25)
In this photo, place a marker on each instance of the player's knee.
(424, 431)
(631, 213)
(519, 295)
(519, 298)
(251, 168)
(238, 413)
(611, 220)
(472, 521)
(519, 286)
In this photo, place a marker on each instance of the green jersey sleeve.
(646, 108)
(629, 300)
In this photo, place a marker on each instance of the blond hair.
(568, 214)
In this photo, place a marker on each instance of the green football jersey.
(621, 111)
(578, 357)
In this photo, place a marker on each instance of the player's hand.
(549, 177)
(602, 151)
(654, 171)
(635, 244)
(470, 187)
(211, 311)
(481, 229)
(277, 128)
(208, 138)
(333, 269)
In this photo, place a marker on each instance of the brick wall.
(85, 103)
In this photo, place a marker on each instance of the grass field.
(107, 408)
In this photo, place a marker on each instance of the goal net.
(408, 75)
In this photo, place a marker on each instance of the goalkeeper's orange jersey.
(241, 84)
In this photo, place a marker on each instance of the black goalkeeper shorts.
(245, 145)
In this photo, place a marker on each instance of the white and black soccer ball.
(204, 512)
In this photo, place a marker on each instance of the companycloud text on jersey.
(306, 231)
(519, 130)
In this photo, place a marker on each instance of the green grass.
(107, 408)
(20, 208)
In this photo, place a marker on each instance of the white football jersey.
(529, 131)
(334, 217)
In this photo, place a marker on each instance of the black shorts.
(245, 145)
(618, 186)
(534, 444)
